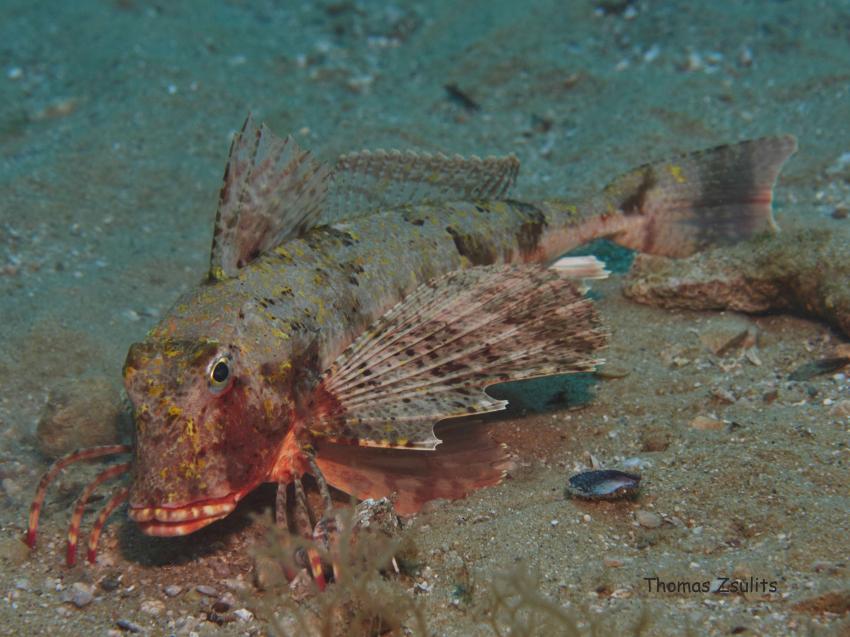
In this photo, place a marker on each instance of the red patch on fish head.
(208, 426)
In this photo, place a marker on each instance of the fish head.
(207, 430)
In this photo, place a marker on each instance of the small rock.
(84, 412)
(268, 573)
(80, 595)
(235, 584)
(841, 409)
(742, 572)
(814, 368)
(654, 440)
(706, 423)
(22, 584)
(128, 626)
(648, 519)
(224, 603)
(841, 212)
(110, 583)
(723, 395)
(13, 551)
(152, 607)
(209, 591)
(729, 334)
(11, 488)
(172, 590)
(376, 516)
(243, 614)
(612, 562)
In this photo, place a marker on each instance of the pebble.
(172, 590)
(11, 488)
(128, 626)
(723, 395)
(209, 591)
(841, 409)
(80, 595)
(110, 583)
(152, 607)
(840, 213)
(267, 573)
(225, 603)
(707, 423)
(84, 412)
(729, 334)
(648, 519)
(235, 584)
(244, 614)
(612, 562)
(13, 551)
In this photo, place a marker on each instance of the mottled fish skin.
(286, 315)
(283, 320)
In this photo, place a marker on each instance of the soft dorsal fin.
(272, 191)
(370, 180)
(432, 355)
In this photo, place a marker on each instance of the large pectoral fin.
(432, 355)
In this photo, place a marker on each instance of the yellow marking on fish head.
(268, 408)
(155, 390)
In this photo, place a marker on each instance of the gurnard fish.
(350, 308)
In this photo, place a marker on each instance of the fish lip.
(169, 521)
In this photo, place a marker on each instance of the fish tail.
(699, 200)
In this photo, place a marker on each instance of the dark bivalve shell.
(606, 484)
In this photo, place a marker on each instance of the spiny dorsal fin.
(272, 191)
(370, 180)
(432, 355)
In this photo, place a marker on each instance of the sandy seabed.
(115, 118)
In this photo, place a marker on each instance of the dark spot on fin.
(531, 230)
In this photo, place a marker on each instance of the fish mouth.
(164, 521)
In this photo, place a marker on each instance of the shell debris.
(603, 484)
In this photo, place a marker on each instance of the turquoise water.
(116, 118)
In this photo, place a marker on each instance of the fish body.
(332, 336)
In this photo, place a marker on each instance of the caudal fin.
(712, 197)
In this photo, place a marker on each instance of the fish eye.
(220, 375)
